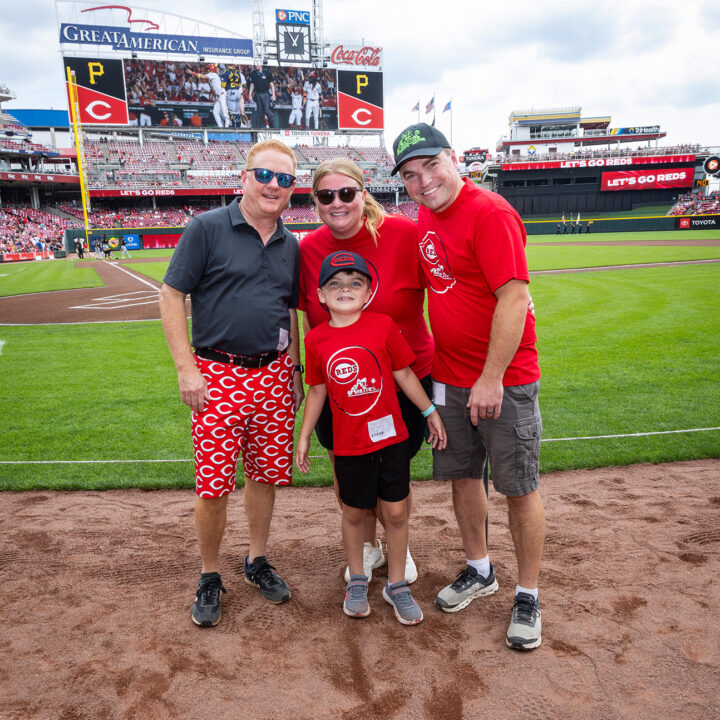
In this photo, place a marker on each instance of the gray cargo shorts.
(512, 442)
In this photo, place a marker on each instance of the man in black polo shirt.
(262, 89)
(244, 382)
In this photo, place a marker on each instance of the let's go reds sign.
(647, 179)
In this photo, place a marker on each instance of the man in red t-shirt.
(472, 249)
(355, 358)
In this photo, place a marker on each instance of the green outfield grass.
(558, 257)
(549, 257)
(621, 352)
(680, 237)
(44, 276)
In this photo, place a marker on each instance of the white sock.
(527, 591)
(482, 565)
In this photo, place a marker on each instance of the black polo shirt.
(240, 290)
(261, 79)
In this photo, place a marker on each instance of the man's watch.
(299, 368)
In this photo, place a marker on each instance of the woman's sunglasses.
(346, 195)
(264, 176)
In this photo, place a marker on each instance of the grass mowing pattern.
(550, 257)
(45, 276)
(625, 352)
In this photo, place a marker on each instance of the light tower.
(259, 30)
(318, 40)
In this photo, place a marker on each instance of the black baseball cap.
(421, 140)
(342, 260)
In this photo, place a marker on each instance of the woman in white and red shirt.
(355, 221)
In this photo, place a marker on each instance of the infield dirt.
(97, 590)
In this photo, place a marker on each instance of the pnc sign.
(292, 17)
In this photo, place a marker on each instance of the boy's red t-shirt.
(356, 364)
(398, 283)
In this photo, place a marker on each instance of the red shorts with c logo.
(250, 411)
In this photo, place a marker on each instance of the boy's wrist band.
(429, 411)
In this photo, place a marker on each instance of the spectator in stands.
(355, 221)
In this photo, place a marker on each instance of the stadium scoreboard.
(130, 70)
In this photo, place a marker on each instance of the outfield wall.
(638, 224)
(153, 237)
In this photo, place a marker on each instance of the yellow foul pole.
(79, 149)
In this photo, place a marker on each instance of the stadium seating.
(23, 228)
(696, 203)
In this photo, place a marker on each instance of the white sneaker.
(373, 558)
(411, 574)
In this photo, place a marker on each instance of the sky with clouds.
(643, 62)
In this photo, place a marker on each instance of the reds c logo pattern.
(433, 258)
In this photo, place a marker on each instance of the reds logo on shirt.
(354, 380)
(435, 264)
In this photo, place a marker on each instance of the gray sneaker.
(407, 611)
(468, 585)
(356, 602)
(206, 609)
(525, 631)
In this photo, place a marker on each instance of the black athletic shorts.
(412, 417)
(384, 474)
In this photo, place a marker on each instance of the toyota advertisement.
(195, 95)
(647, 179)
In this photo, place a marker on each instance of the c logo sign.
(90, 109)
(356, 116)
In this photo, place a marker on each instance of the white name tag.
(382, 428)
(283, 339)
(438, 397)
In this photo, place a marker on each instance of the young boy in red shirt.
(356, 358)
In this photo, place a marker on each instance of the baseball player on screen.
(220, 108)
(313, 91)
(233, 81)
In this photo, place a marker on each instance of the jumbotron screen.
(194, 95)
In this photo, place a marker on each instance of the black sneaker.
(262, 575)
(525, 630)
(206, 610)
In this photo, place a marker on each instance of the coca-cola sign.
(365, 56)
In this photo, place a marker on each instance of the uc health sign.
(647, 179)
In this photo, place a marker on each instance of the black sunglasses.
(346, 195)
(264, 176)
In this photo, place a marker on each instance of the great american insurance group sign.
(127, 30)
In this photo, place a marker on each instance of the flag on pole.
(448, 106)
(430, 106)
(417, 107)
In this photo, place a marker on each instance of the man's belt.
(243, 361)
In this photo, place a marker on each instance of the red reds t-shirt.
(356, 364)
(398, 285)
(467, 252)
